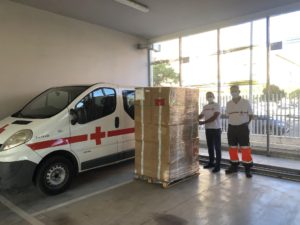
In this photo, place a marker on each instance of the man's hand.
(201, 122)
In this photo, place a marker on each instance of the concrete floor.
(110, 196)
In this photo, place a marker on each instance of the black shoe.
(232, 169)
(248, 173)
(216, 170)
(248, 170)
(209, 165)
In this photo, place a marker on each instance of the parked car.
(259, 125)
(64, 131)
(276, 126)
(289, 110)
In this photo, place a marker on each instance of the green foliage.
(164, 74)
(295, 94)
(275, 93)
(243, 83)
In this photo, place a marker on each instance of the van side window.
(97, 104)
(128, 102)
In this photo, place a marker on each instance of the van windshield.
(50, 102)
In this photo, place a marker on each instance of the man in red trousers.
(239, 114)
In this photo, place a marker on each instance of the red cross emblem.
(159, 102)
(3, 128)
(97, 135)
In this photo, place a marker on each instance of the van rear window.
(128, 102)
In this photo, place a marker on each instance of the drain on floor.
(63, 219)
(167, 219)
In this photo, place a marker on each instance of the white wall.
(40, 49)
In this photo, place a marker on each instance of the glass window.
(199, 64)
(95, 105)
(165, 64)
(285, 70)
(285, 47)
(50, 102)
(109, 91)
(259, 58)
(235, 57)
(128, 102)
(58, 99)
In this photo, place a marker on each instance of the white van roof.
(96, 84)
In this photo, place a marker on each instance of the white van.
(63, 131)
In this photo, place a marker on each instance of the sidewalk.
(261, 159)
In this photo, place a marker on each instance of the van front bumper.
(16, 174)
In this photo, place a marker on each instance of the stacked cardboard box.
(166, 133)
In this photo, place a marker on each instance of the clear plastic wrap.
(166, 129)
(167, 115)
(175, 161)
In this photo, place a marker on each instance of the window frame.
(89, 118)
(126, 107)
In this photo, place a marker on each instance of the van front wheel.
(54, 175)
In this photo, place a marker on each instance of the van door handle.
(117, 122)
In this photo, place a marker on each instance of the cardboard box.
(166, 131)
(167, 96)
(152, 132)
(166, 115)
(174, 160)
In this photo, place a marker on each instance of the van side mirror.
(74, 116)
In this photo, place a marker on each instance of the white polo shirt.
(238, 113)
(208, 111)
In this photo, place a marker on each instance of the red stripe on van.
(58, 142)
(79, 138)
(3, 128)
(120, 132)
(75, 139)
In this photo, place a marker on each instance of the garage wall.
(40, 49)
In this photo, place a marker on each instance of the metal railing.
(284, 118)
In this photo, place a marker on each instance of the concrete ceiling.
(165, 16)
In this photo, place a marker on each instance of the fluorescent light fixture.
(135, 5)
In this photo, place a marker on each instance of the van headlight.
(17, 139)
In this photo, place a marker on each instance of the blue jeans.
(213, 139)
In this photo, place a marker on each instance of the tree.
(275, 93)
(295, 94)
(164, 74)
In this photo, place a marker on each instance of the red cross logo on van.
(3, 128)
(97, 135)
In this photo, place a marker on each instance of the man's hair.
(210, 93)
(235, 86)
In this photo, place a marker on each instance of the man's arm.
(201, 116)
(250, 111)
(211, 119)
(226, 115)
(250, 118)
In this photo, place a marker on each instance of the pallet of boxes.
(166, 134)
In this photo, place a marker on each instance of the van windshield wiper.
(40, 116)
(18, 115)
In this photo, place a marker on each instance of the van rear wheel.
(54, 175)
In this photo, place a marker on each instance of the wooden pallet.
(165, 184)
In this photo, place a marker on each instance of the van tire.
(55, 175)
